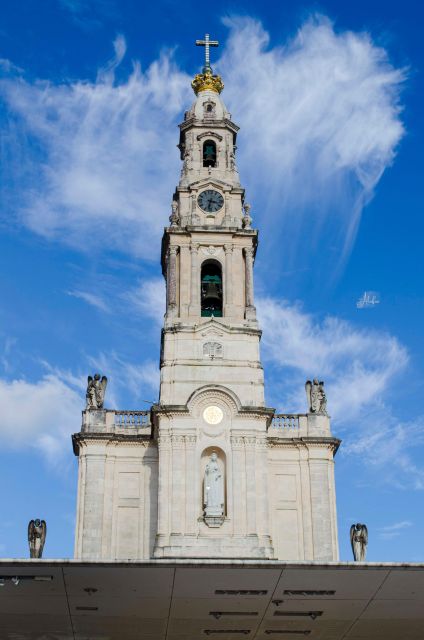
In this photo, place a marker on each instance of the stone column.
(195, 281)
(250, 307)
(228, 248)
(172, 281)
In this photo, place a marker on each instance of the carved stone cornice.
(81, 440)
(323, 443)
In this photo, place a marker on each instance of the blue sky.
(328, 97)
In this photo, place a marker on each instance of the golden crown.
(206, 81)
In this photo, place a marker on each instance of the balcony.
(116, 421)
(299, 425)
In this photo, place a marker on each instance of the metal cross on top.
(207, 43)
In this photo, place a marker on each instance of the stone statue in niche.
(213, 492)
(96, 389)
(359, 541)
(37, 531)
(315, 394)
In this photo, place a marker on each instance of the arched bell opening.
(209, 153)
(211, 289)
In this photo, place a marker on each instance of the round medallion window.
(213, 415)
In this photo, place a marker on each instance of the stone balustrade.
(299, 425)
(285, 421)
(116, 421)
(132, 418)
(288, 425)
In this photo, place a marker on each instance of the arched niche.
(211, 296)
(213, 463)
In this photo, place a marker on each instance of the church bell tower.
(209, 471)
(212, 388)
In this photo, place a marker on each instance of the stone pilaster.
(250, 307)
(239, 489)
(172, 282)
(228, 298)
(195, 281)
(177, 488)
(249, 443)
(164, 447)
(191, 505)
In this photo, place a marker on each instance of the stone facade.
(141, 475)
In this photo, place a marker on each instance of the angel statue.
(37, 531)
(359, 541)
(96, 390)
(317, 400)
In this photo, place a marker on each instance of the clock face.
(213, 415)
(210, 201)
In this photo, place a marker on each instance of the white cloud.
(320, 123)
(42, 414)
(390, 447)
(393, 530)
(109, 158)
(359, 368)
(127, 380)
(90, 298)
(357, 365)
(148, 299)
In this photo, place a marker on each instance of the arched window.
(211, 289)
(209, 153)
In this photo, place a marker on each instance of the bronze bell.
(211, 291)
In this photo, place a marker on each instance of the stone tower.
(210, 471)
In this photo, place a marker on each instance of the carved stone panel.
(212, 350)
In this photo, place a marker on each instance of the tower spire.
(206, 81)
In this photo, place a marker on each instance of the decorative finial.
(206, 81)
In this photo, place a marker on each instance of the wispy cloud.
(39, 414)
(127, 379)
(90, 14)
(90, 298)
(359, 368)
(148, 299)
(106, 155)
(328, 106)
(356, 364)
(393, 530)
(330, 123)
